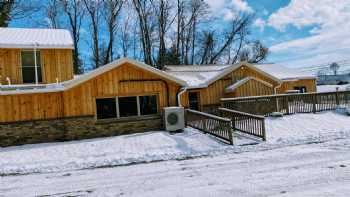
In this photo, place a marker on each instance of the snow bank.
(307, 127)
(103, 152)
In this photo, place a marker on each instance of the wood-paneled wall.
(310, 85)
(10, 64)
(251, 88)
(125, 80)
(216, 91)
(30, 107)
(80, 100)
(56, 63)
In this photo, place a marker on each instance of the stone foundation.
(40, 131)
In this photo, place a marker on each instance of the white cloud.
(324, 13)
(242, 6)
(329, 39)
(216, 5)
(228, 9)
(260, 23)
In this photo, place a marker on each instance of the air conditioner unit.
(174, 118)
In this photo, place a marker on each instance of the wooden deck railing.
(211, 124)
(246, 123)
(288, 103)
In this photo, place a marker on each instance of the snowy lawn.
(160, 145)
(307, 127)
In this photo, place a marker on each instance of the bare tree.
(189, 14)
(162, 10)
(207, 47)
(16, 9)
(334, 67)
(74, 10)
(52, 11)
(213, 50)
(254, 53)
(94, 11)
(143, 10)
(111, 11)
(125, 36)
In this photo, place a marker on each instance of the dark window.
(301, 89)
(148, 105)
(106, 108)
(193, 98)
(127, 106)
(28, 66)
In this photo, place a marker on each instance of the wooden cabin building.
(207, 84)
(125, 96)
(35, 56)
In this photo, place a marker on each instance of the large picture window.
(106, 108)
(130, 106)
(28, 66)
(127, 106)
(148, 105)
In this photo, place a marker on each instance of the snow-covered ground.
(332, 88)
(160, 146)
(318, 169)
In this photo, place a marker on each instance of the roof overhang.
(116, 64)
(88, 76)
(233, 68)
(241, 82)
(31, 46)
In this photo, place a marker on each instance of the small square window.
(127, 106)
(106, 108)
(148, 105)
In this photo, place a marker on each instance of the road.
(305, 170)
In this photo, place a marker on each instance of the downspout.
(183, 90)
(36, 64)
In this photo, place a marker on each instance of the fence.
(246, 123)
(288, 103)
(211, 124)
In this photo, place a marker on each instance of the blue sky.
(298, 32)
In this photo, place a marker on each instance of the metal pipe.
(8, 81)
(183, 90)
(36, 65)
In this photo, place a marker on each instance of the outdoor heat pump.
(174, 118)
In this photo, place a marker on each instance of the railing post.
(287, 104)
(337, 96)
(263, 129)
(230, 134)
(314, 102)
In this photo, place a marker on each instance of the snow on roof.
(283, 73)
(25, 38)
(26, 89)
(117, 63)
(201, 76)
(236, 85)
(196, 76)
